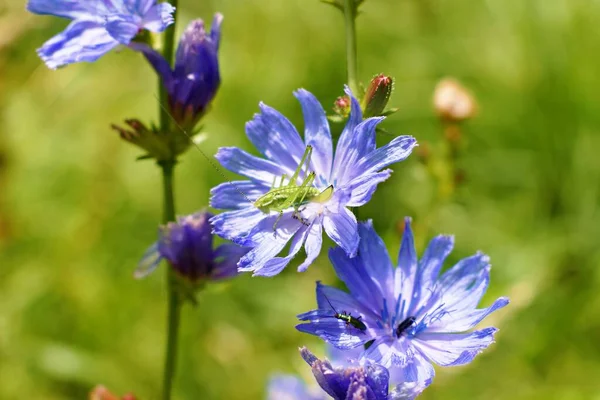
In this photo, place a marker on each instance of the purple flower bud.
(366, 381)
(193, 82)
(188, 247)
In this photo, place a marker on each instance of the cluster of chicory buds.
(373, 103)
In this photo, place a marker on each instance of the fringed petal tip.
(150, 260)
(216, 22)
(159, 17)
(49, 61)
(483, 258)
(167, 11)
(348, 92)
(309, 357)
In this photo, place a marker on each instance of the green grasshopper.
(279, 198)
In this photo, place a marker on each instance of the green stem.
(174, 303)
(351, 57)
(168, 197)
(167, 52)
(172, 336)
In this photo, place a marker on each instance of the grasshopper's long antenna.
(200, 150)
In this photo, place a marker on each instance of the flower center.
(404, 325)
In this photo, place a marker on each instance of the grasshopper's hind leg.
(297, 211)
(296, 215)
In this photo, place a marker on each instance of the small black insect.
(404, 325)
(348, 318)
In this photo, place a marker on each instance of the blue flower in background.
(413, 315)
(351, 357)
(369, 381)
(342, 378)
(194, 81)
(188, 246)
(291, 387)
(353, 173)
(98, 26)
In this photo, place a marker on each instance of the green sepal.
(339, 4)
(144, 36)
(336, 118)
(390, 111)
(157, 144)
(384, 132)
(187, 289)
(334, 3)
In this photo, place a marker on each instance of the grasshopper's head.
(264, 209)
(263, 203)
(324, 196)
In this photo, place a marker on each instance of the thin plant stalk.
(173, 300)
(351, 53)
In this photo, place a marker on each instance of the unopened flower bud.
(188, 247)
(453, 133)
(341, 106)
(102, 393)
(453, 102)
(377, 96)
(192, 83)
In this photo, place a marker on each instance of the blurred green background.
(77, 210)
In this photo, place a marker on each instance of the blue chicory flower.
(193, 82)
(98, 26)
(413, 315)
(351, 357)
(188, 246)
(354, 174)
(369, 381)
(342, 378)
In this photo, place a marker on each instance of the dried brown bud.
(453, 102)
(102, 393)
(423, 152)
(452, 133)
